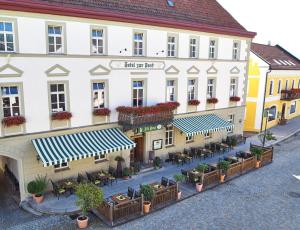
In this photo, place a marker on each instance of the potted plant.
(233, 141)
(119, 160)
(212, 100)
(13, 121)
(89, 197)
(223, 167)
(194, 102)
(201, 168)
(126, 173)
(235, 99)
(41, 184)
(31, 188)
(101, 112)
(257, 152)
(157, 162)
(179, 178)
(61, 116)
(148, 193)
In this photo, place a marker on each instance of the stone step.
(25, 205)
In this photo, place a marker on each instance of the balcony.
(132, 118)
(289, 95)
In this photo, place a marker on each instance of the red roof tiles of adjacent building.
(277, 57)
(198, 15)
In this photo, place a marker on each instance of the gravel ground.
(264, 199)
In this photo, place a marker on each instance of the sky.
(272, 20)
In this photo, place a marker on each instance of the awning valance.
(195, 125)
(60, 149)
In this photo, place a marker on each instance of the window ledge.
(61, 169)
(101, 161)
(169, 146)
(189, 142)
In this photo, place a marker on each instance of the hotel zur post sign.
(137, 65)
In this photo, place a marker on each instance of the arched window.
(272, 113)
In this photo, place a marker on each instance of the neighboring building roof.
(277, 57)
(199, 15)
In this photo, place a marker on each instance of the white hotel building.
(61, 58)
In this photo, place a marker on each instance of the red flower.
(172, 105)
(13, 121)
(61, 116)
(101, 112)
(194, 102)
(235, 98)
(212, 100)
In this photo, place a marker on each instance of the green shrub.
(202, 168)
(148, 192)
(31, 187)
(224, 166)
(179, 177)
(126, 172)
(256, 152)
(157, 162)
(41, 184)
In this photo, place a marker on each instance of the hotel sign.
(137, 65)
(148, 128)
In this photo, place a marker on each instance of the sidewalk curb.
(284, 138)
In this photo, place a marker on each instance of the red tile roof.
(277, 57)
(199, 15)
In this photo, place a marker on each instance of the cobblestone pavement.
(261, 200)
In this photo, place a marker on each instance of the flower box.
(13, 121)
(194, 102)
(235, 99)
(212, 100)
(101, 112)
(61, 116)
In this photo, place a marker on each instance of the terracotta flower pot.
(82, 222)
(199, 187)
(222, 178)
(147, 206)
(38, 198)
(179, 195)
(126, 177)
(257, 164)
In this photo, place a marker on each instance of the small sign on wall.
(157, 144)
(148, 128)
(137, 65)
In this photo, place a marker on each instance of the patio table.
(120, 198)
(224, 146)
(68, 184)
(207, 152)
(157, 187)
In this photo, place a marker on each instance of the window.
(7, 37)
(138, 94)
(279, 87)
(99, 95)
(97, 41)
(293, 84)
(236, 51)
(191, 89)
(271, 87)
(59, 166)
(233, 87)
(231, 121)
(286, 84)
(171, 90)
(293, 107)
(101, 157)
(138, 44)
(272, 113)
(169, 136)
(10, 101)
(212, 49)
(172, 46)
(189, 138)
(55, 39)
(211, 88)
(207, 135)
(193, 48)
(58, 97)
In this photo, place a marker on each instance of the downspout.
(265, 93)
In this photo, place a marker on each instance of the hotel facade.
(84, 83)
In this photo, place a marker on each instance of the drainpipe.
(265, 93)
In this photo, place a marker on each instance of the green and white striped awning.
(60, 149)
(195, 125)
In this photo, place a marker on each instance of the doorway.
(283, 111)
(138, 151)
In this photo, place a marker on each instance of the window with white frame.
(293, 84)
(212, 49)
(189, 138)
(63, 165)
(138, 94)
(233, 87)
(271, 89)
(98, 41)
(236, 51)
(210, 88)
(58, 97)
(7, 37)
(10, 96)
(191, 89)
(169, 136)
(272, 112)
(193, 47)
(171, 90)
(207, 135)
(98, 95)
(55, 39)
(279, 87)
(100, 157)
(286, 84)
(231, 121)
(172, 46)
(293, 107)
(138, 44)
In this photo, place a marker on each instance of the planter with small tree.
(148, 193)
(179, 178)
(257, 152)
(201, 168)
(223, 167)
(119, 170)
(89, 197)
(126, 173)
(37, 188)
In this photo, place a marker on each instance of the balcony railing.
(289, 95)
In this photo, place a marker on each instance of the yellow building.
(273, 87)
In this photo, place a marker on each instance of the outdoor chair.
(200, 154)
(193, 152)
(80, 178)
(93, 179)
(185, 173)
(130, 192)
(137, 194)
(172, 157)
(171, 183)
(193, 178)
(58, 191)
(164, 181)
(178, 160)
(151, 157)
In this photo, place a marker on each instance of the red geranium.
(13, 121)
(101, 112)
(194, 102)
(212, 100)
(172, 105)
(235, 98)
(61, 116)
